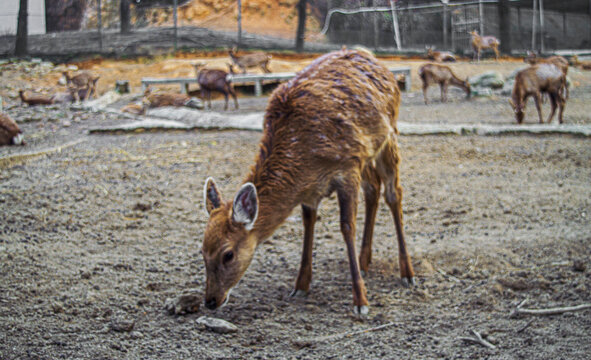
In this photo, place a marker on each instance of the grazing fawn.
(484, 42)
(442, 75)
(440, 56)
(533, 81)
(332, 128)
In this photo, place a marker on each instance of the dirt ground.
(101, 233)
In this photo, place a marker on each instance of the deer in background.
(484, 42)
(80, 81)
(154, 100)
(442, 75)
(585, 65)
(332, 128)
(533, 81)
(10, 133)
(256, 59)
(62, 97)
(215, 80)
(440, 56)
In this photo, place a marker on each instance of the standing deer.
(256, 59)
(442, 75)
(215, 80)
(557, 60)
(533, 81)
(331, 128)
(10, 133)
(584, 65)
(484, 42)
(79, 81)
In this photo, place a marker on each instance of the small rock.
(66, 123)
(142, 206)
(85, 274)
(183, 304)
(579, 265)
(134, 335)
(217, 325)
(121, 324)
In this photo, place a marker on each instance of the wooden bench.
(257, 79)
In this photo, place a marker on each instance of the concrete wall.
(9, 14)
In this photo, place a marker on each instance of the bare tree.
(22, 29)
(301, 25)
(124, 13)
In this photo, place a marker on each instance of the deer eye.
(228, 256)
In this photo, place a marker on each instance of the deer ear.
(211, 195)
(246, 206)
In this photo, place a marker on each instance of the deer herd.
(331, 128)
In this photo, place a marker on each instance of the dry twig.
(478, 340)
(344, 335)
(551, 311)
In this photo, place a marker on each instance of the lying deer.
(442, 75)
(154, 100)
(585, 65)
(484, 42)
(57, 98)
(214, 80)
(10, 133)
(79, 81)
(331, 128)
(256, 59)
(533, 81)
(557, 60)
(440, 56)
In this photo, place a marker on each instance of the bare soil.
(94, 239)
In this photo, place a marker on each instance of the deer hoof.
(298, 293)
(361, 311)
(408, 282)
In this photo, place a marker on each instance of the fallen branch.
(525, 326)
(448, 275)
(344, 335)
(551, 311)
(478, 340)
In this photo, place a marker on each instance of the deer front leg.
(425, 87)
(347, 196)
(443, 87)
(302, 285)
(371, 191)
(538, 102)
(553, 101)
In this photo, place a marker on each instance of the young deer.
(10, 133)
(79, 81)
(330, 128)
(442, 75)
(440, 56)
(585, 65)
(256, 59)
(484, 42)
(215, 80)
(533, 81)
(557, 60)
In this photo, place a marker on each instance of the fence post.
(239, 23)
(174, 15)
(542, 47)
(533, 26)
(395, 24)
(100, 26)
(445, 25)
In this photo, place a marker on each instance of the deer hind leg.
(348, 195)
(230, 90)
(388, 169)
(443, 88)
(302, 285)
(425, 87)
(561, 104)
(226, 100)
(371, 190)
(553, 101)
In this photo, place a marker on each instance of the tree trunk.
(22, 29)
(504, 26)
(301, 25)
(124, 13)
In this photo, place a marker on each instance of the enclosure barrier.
(257, 79)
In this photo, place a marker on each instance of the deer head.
(518, 109)
(228, 243)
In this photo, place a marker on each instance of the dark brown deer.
(442, 75)
(256, 59)
(215, 80)
(557, 60)
(533, 81)
(10, 133)
(79, 81)
(331, 128)
(484, 42)
(440, 56)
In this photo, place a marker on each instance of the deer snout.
(211, 303)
